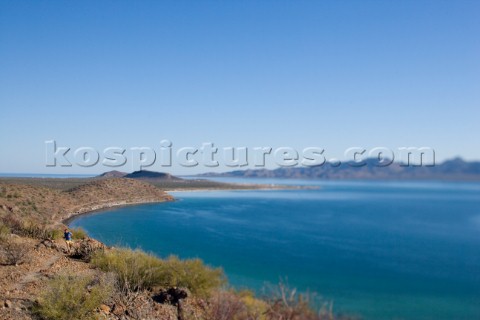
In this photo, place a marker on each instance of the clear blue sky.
(333, 74)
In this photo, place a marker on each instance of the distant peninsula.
(161, 180)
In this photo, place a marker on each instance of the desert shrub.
(13, 253)
(286, 303)
(134, 269)
(224, 305)
(125, 297)
(255, 308)
(4, 232)
(26, 227)
(140, 270)
(79, 233)
(231, 305)
(12, 222)
(34, 230)
(73, 297)
(54, 234)
(192, 274)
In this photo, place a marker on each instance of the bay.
(380, 250)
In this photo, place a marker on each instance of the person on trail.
(67, 235)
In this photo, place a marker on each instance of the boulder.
(84, 249)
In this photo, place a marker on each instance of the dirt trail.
(20, 285)
(39, 271)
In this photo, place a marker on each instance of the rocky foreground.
(21, 285)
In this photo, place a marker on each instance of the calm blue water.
(403, 250)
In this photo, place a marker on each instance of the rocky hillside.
(22, 284)
(45, 203)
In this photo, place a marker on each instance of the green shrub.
(54, 234)
(134, 269)
(193, 274)
(79, 233)
(139, 270)
(73, 297)
(256, 308)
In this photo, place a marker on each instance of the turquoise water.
(402, 250)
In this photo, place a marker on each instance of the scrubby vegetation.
(139, 270)
(30, 228)
(73, 297)
(194, 275)
(226, 305)
(79, 233)
(12, 252)
(286, 303)
(4, 231)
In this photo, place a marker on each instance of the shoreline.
(72, 216)
(118, 204)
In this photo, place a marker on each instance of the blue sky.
(329, 74)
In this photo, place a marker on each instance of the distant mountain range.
(455, 169)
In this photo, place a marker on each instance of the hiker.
(67, 235)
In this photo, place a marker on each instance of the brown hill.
(113, 174)
(42, 203)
